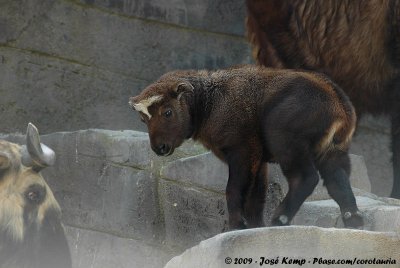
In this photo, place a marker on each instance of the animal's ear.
(182, 88)
(4, 161)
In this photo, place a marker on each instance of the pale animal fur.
(143, 105)
(12, 201)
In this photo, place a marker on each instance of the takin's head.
(31, 233)
(165, 110)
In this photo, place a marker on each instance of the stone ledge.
(380, 214)
(292, 242)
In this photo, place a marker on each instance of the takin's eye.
(35, 194)
(168, 113)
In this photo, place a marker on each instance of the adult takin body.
(248, 116)
(356, 43)
(31, 233)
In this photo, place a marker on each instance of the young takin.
(248, 116)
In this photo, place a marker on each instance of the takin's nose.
(161, 149)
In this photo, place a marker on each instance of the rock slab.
(303, 244)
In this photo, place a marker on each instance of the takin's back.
(251, 98)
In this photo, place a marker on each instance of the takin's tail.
(338, 135)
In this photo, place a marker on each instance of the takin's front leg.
(254, 205)
(302, 178)
(239, 162)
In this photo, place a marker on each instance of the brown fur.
(354, 42)
(22, 221)
(250, 115)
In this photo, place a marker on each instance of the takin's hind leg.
(302, 178)
(254, 205)
(335, 169)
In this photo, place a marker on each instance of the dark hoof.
(353, 219)
(256, 225)
(237, 226)
(254, 222)
(282, 220)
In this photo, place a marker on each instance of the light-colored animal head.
(165, 111)
(31, 234)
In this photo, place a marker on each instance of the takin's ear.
(4, 161)
(182, 88)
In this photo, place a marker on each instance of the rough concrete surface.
(379, 214)
(90, 249)
(293, 242)
(372, 141)
(225, 17)
(69, 65)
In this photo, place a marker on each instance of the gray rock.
(66, 66)
(293, 242)
(374, 146)
(379, 215)
(128, 148)
(97, 195)
(126, 45)
(191, 214)
(212, 172)
(215, 16)
(100, 182)
(100, 250)
(55, 94)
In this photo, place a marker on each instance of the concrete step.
(380, 214)
(304, 246)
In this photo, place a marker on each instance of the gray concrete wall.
(372, 141)
(70, 64)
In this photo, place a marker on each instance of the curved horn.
(36, 154)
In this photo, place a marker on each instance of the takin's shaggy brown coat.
(356, 43)
(249, 116)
